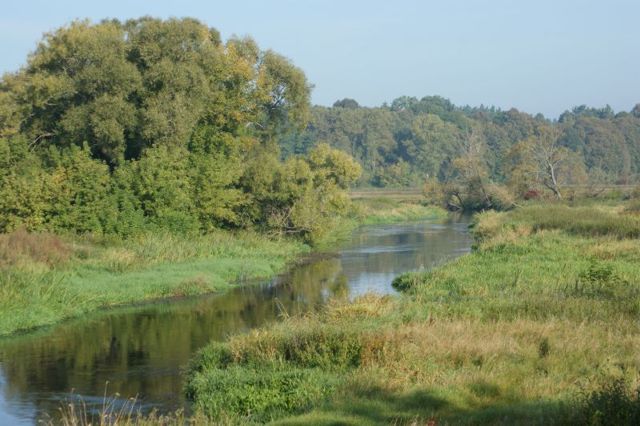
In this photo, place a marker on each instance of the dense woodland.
(413, 140)
(121, 126)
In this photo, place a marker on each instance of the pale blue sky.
(538, 56)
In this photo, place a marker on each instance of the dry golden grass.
(21, 247)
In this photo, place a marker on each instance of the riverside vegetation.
(45, 278)
(150, 158)
(539, 325)
(139, 160)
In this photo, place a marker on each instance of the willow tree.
(123, 87)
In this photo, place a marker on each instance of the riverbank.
(47, 278)
(539, 325)
(386, 210)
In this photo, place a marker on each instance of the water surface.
(139, 351)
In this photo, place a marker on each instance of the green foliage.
(612, 404)
(79, 193)
(416, 139)
(258, 395)
(161, 183)
(126, 127)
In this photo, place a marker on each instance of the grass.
(384, 210)
(46, 278)
(539, 325)
(115, 411)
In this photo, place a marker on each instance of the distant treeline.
(121, 127)
(412, 139)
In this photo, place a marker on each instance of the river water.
(140, 351)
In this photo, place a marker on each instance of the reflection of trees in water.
(139, 351)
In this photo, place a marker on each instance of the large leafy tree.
(123, 87)
(116, 126)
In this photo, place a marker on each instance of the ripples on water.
(140, 350)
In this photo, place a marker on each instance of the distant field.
(395, 193)
(409, 194)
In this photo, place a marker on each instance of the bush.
(501, 198)
(257, 395)
(613, 404)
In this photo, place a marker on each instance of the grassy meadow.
(538, 325)
(45, 278)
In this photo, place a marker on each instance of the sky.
(537, 56)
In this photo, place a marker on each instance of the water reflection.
(140, 350)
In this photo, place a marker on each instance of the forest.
(413, 140)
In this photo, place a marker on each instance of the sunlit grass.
(45, 278)
(41, 286)
(533, 327)
(374, 211)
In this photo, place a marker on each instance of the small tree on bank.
(541, 161)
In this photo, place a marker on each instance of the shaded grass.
(42, 287)
(533, 327)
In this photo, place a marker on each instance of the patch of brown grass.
(20, 247)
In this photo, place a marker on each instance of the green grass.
(385, 210)
(539, 325)
(45, 278)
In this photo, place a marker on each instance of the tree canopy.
(411, 139)
(121, 126)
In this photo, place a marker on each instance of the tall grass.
(544, 310)
(383, 210)
(115, 411)
(46, 278)
(591, 221)
(615, 403)
(21, 247)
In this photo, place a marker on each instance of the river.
(141, 350)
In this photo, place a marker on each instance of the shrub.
(258, 395)
(532, 194)
(613, 404)
(406, 282)
(501, 198)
